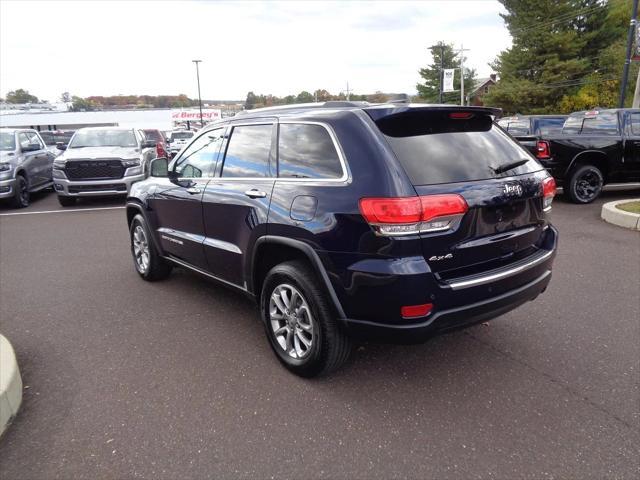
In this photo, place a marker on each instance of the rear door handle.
(255, 193)
(193, 190)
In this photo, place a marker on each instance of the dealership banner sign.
(193, 115)
(447, 80)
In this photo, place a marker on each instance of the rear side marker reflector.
(411, 215)
(416, 311)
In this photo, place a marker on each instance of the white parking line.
(60, 211)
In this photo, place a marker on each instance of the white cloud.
(118, 47)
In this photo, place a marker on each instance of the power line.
(560, 19)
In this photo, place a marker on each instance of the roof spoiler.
(381, 111)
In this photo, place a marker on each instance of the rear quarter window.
(434, 149)
(307, 151)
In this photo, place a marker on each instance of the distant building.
(480, 88)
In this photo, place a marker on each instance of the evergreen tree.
(429, 89)
(557, 50)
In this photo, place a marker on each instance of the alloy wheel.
(140, 249)
(292, 323)
(588, 185)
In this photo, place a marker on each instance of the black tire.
(66, 201)
(21, 195)
(330, 347)
(585, 184)
(155, 268)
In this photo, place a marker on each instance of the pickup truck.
(528, 129)
(595, 147)
(25, 165)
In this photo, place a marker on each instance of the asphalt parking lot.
(126, 379)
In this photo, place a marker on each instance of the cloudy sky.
(146, 47)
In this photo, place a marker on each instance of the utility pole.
(199, 97)
(462, 50)
(441, 71)
(636, 95)
(348, 91)
(627, 58)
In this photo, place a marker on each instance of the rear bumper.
(93, 188)
(451, 319)
(372, 293)
(7, 188)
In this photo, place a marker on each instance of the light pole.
(199, 98)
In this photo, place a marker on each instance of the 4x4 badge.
(514, 189)
(436, 258)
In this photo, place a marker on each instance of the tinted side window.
(602, 124)
(248, 152)
(33, 138)
(199, 158)
(23, 140)
(307, 151)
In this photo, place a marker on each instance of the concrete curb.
(10, 384)
(612, 214)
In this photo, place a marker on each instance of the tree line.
(97, 102)
(321, 95)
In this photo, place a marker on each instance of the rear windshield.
(546, 126)
(433, 148)
(518, 127)
(595, 124)
(175, 135)
(154, 135)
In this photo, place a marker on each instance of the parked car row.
(590, 149)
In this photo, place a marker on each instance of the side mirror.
(148, 144)
(32, 147)
(61, 145)
(160, 167)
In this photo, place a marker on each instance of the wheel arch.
(270, 251)
(134, 208)
(596, 158)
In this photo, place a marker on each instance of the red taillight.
(548, 192)
(542, 149)
(414, 311)
(411, 215)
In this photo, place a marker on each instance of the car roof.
(15, 130)
(107, 128)
(324, 109)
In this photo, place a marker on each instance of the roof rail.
(295, 106)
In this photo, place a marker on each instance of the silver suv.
(25, 165)
(101, 161)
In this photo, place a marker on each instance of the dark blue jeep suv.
(390, 222)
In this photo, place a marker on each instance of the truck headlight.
(5, 167)
(58, 173)
(131, 171)
(59, 164)
(131, 163)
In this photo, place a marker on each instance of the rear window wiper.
(509, 166)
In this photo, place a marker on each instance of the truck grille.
(93, 169)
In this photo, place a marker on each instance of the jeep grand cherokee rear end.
(471, 241)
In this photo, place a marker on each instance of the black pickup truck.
(595, 147)
(529, 129)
